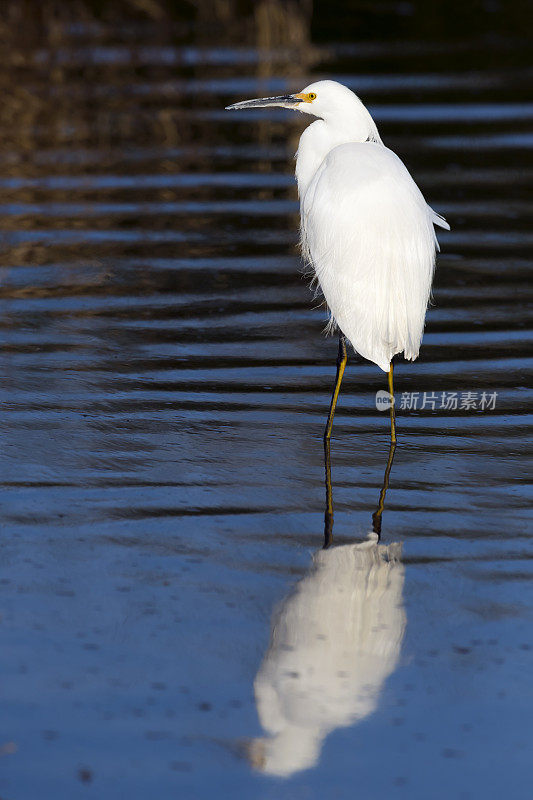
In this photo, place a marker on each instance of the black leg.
(328, 513)
(392, 416)
(342, 358)
(376, 516)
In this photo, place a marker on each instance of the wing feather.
(368, 233)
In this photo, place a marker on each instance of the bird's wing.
(439, 220)
(369, 235)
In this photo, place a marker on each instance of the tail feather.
(439, 220)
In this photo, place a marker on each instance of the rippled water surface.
(164, 383)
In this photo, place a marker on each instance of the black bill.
(282, 101)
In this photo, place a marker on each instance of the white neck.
(323, 135)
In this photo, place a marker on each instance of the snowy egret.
(334, 642)
(365, 229)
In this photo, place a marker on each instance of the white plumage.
(369, 235)
(334, 642)
(365, 226)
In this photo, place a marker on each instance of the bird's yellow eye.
(308, 97)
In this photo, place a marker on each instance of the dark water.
(164, 387)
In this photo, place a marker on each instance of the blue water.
(164, 385)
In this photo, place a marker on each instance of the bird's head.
(322, 99)
(308, 101)
(328, 100)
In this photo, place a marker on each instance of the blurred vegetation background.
(236, 21)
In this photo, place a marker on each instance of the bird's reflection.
(335, 639)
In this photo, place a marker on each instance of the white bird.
(334, 642)
(365, 229)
